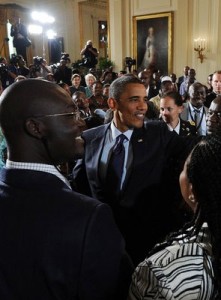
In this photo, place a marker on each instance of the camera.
(65, 56)
(38, 60)
(3, 69)
(130, 61)
(15, 59)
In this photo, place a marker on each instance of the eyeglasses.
(75, 115)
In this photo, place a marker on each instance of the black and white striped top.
(182, 271)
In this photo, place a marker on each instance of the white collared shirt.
(202, 129)
(177, 128)
(37, 167)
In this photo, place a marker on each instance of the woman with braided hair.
(187, 265)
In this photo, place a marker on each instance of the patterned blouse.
(180, 271)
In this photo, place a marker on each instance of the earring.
(192, 198)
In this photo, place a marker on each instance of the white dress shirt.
(37, 167)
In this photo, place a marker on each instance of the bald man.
(55, 243)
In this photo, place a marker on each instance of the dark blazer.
(209, 98)
(180, 81)
(186, 128)
(18, 29)
(55, 243)
(144, 212)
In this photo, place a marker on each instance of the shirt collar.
(177, 128)
(116, 132)
(37, 167)
(194, 108)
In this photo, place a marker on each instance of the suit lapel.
(94, 151)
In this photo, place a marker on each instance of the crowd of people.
(95, 171)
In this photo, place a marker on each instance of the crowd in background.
(178, 106)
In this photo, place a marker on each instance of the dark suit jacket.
(55, 243)
(18, 29)
(186, 128)
(209, 98)
(179, 81)
(144, 212)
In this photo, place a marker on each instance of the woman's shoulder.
(177, 251)
(175, 272)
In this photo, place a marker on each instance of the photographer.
(63, 73)
(41, 67)
(89, 55)
(8, 72)
(20, 38)
(23, 70)
(129, 62)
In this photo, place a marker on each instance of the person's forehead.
(167, 101)
(216, 76)
(167, 83)
(191, 71)
(80, 96)
(98, 84)
(134, 88)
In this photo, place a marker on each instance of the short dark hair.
(118, 86)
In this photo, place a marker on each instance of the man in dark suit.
(216, 88)
(55, 243)
(184, 77)
(20, 38)
(142, 209)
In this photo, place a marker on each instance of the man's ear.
(112, 103)
(34, 128)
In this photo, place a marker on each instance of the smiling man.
(55, 243)
(213, 117)
(194, 110)
(123, 166)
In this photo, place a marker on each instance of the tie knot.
(121, 138)
(196, 110)
(119, 143)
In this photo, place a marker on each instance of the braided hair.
(204, 172)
